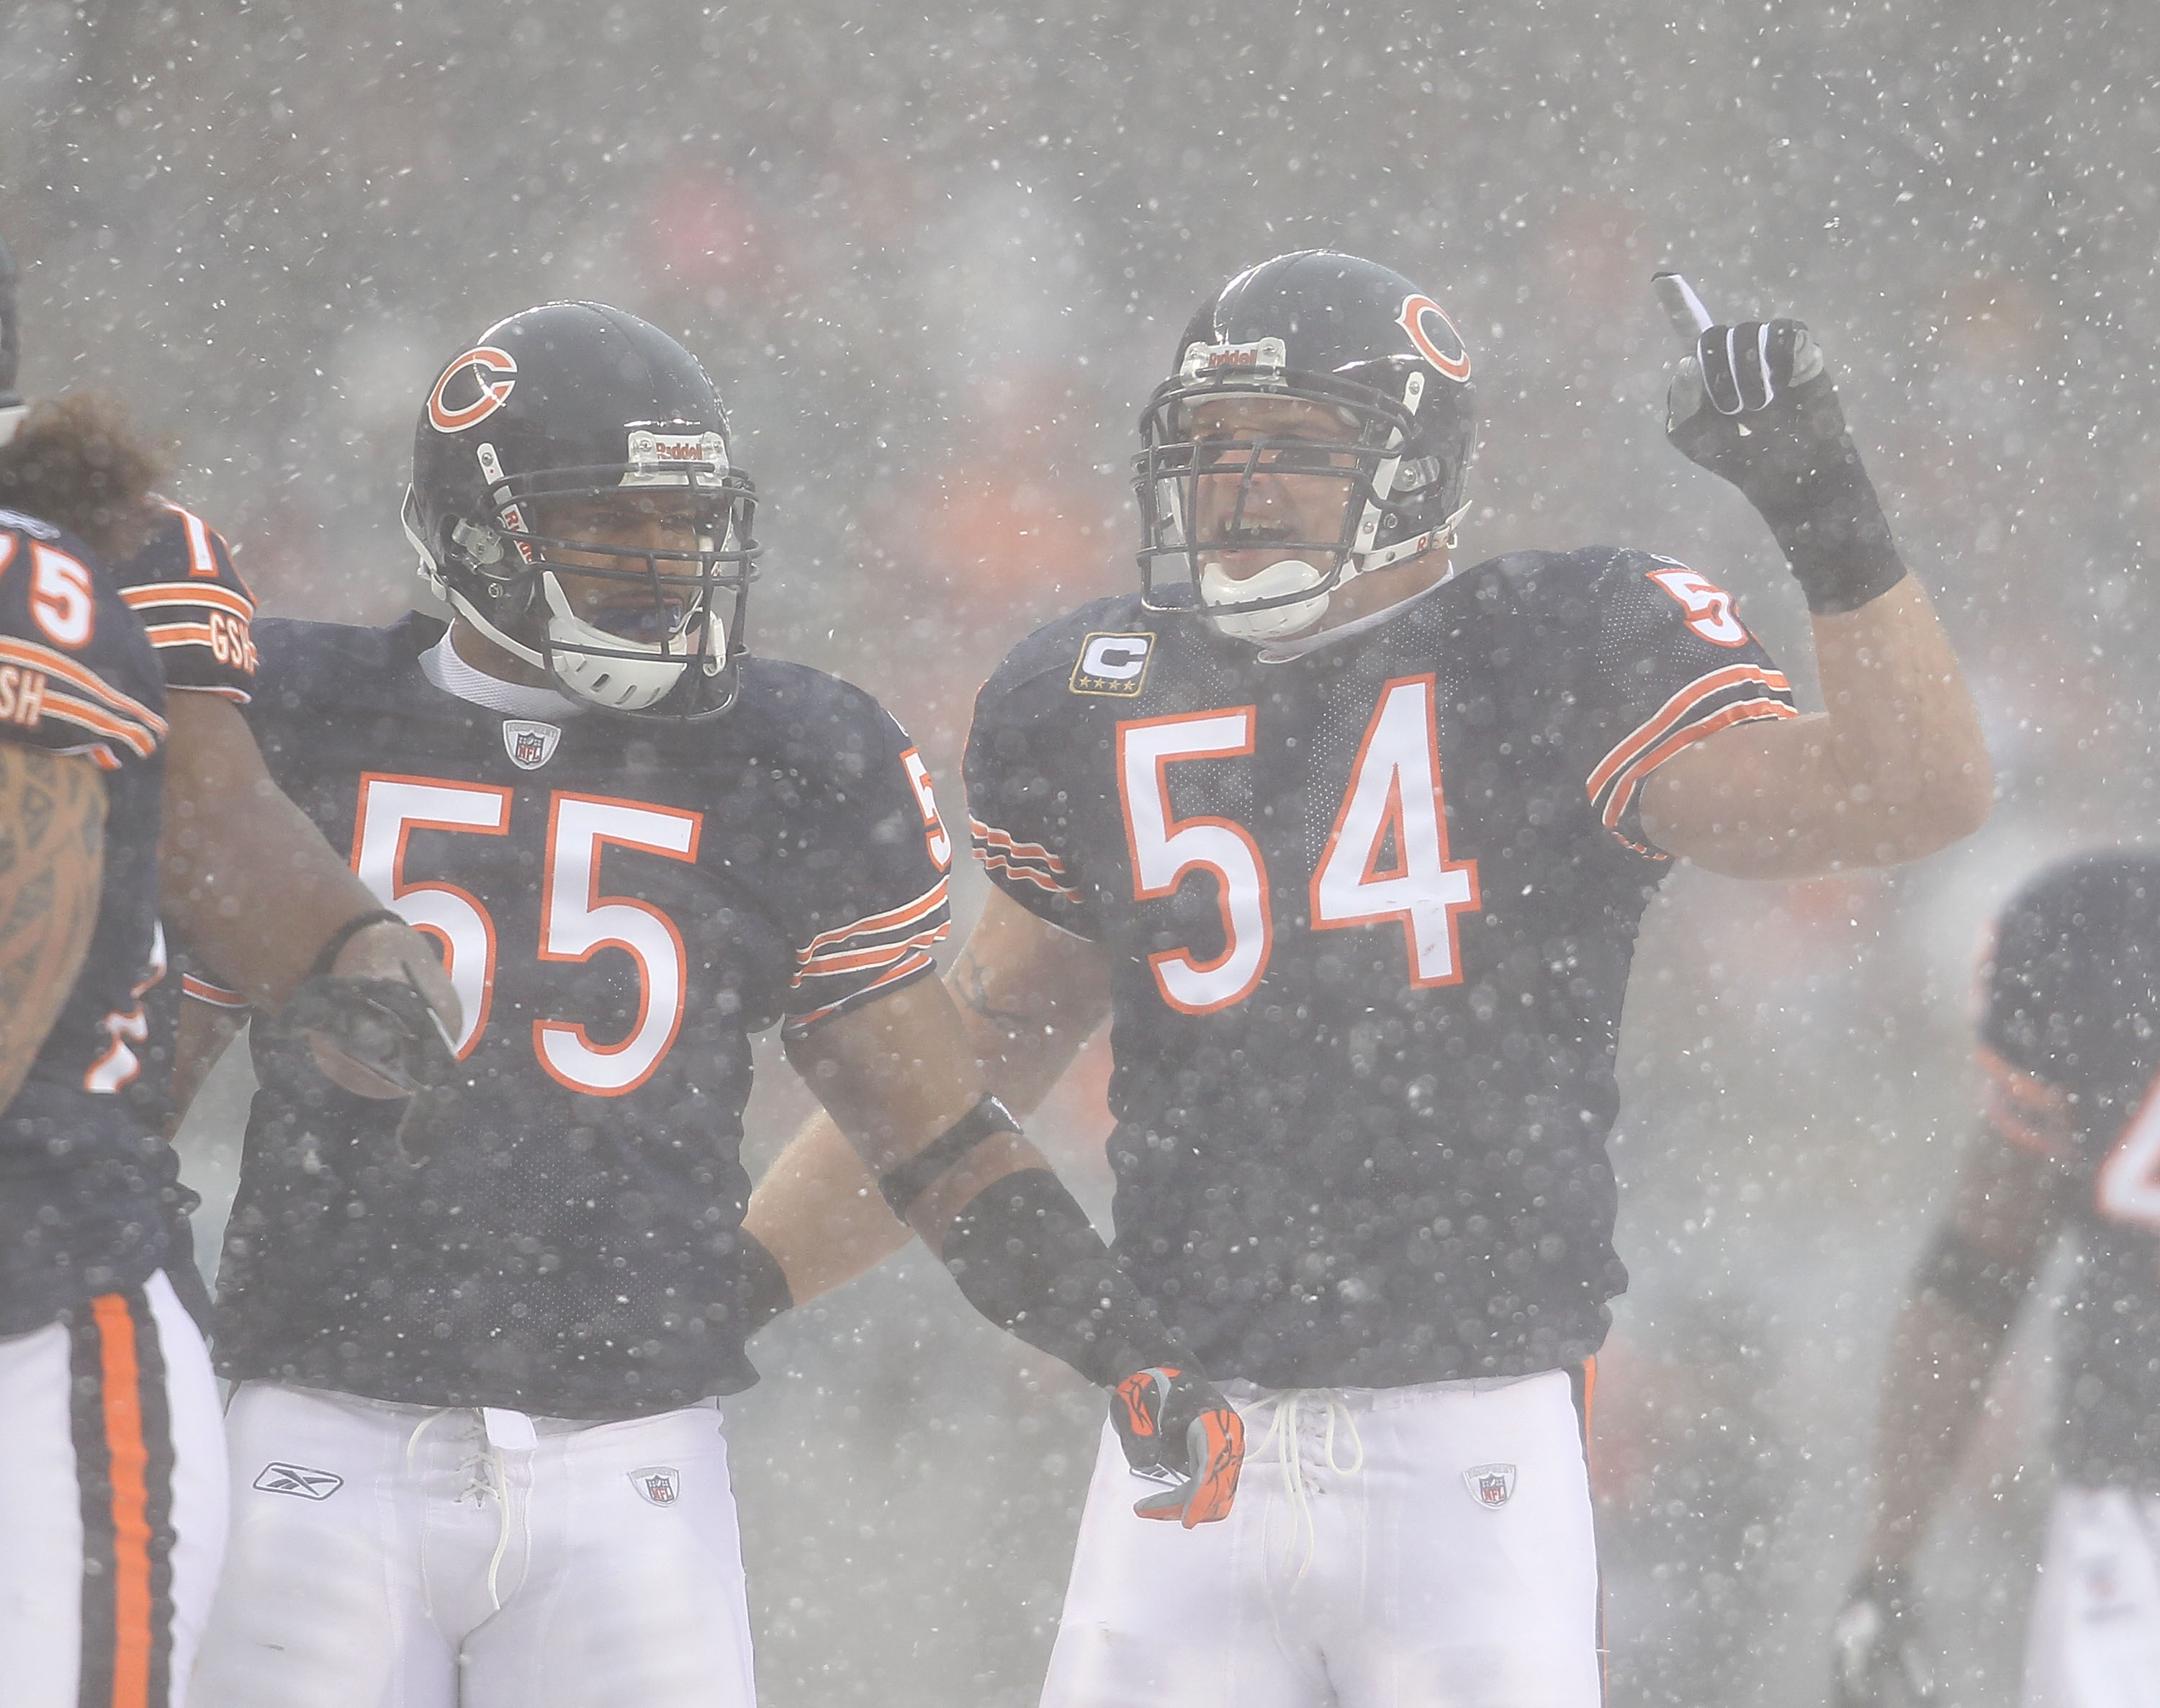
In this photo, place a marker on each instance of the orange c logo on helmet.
(494, 372)
(1447, 351)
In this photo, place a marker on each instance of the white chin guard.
(588, 660)
(1218, 588)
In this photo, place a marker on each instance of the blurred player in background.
(112, 1500)
(1350, 845)
(477, 1343)
(2070, 1043)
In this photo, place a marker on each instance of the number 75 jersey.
(1371, 909)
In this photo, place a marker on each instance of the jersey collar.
(447, 671)
(1298, 646)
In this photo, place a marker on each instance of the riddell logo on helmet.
(1265, 355)
(649, 454)
(495, 373)
(1435, 336)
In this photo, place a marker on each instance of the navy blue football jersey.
(197, 610)
(621, 904)
(2072, 1041)
(1371, 909)
(83, 1184)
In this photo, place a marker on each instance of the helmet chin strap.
(1290, 575)
(592, 664)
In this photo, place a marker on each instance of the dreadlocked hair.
(77, 464)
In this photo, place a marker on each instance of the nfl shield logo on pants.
(1490, 1485)
(659, 1484)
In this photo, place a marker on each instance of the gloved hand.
(387, 1026)
(1754, 405)
(1176, 1422)
(1879, 1654)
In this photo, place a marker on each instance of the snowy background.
(936, 256)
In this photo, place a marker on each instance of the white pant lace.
(1289, 1408)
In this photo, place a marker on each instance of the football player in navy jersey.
(2071, 1137)
(1350, 843)
(477, 1341)
(113, 1469)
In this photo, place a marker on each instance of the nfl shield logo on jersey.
(530, 744)
(1490, 1485)
(659, 1484)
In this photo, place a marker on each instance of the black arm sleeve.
(1025, 1256)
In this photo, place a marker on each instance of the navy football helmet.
(1326, 328)
(572, 402)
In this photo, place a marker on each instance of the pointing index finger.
(1682, 306)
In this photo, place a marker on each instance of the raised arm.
(1895, 768)
(1893, 771)
(1027, 996)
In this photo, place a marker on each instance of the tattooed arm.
(1029, 995)
(52, 862)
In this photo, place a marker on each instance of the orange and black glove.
(1025, 1256)
(1176, 1423)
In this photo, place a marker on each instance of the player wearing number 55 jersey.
(477, 1339)
(2071, 1049)
(1350, 843)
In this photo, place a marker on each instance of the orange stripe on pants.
(131, 1501)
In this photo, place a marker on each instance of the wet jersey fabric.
(197, 610)
(1372, 909)
(2072, 1037)
(83, 1183)
(622, 903)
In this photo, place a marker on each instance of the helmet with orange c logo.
(547, 419)
(1393, 425)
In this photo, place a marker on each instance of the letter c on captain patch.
(1113, 664)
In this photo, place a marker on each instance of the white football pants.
(1425, 1547)
(2095, 1636)
(112, 1504)
(404, 1556)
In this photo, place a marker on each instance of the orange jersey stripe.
(2025, 1109)
(991, 837)
(163, 634)
(878, 957)
(999, 862)
(96, 717)
(931, 900)
(1676, 709)
(165, 593)
(1740, 712)
(131, 1500)
(914, 963)
(38, 657)
(217, 995)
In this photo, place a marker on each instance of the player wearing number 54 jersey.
(1350, 843)
(2071, 1138)
(477, 1339)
